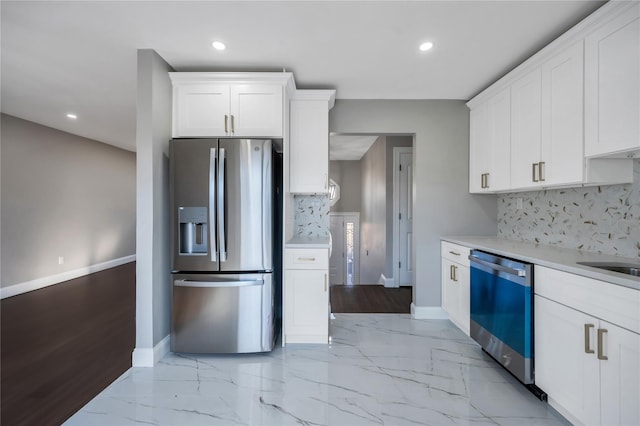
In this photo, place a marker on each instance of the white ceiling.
(80, 56)
(345, 147)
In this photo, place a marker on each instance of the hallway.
(370, 299)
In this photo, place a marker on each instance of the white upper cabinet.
(479, 152)
(562, 96)
(489, 143)
(309, 141)
(612, 86)
(228, 104)
(568, 116)
(256, 110)
(500, 139)
(525, 131)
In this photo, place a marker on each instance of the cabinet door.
(309, 147)
(479, 147)
(305, 306)
(455, 293)
(525, 131)
(620, 376)
(256, 110)
(562, 151)
(612, 85)
(500, 140)
(200, 109)
(562, 368)
(450, 290)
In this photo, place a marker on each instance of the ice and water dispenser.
(193, 230)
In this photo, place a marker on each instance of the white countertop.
(308, 242)
(553, 257)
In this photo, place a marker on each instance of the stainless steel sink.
(624, 268)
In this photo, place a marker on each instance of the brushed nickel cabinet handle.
(541, 171)
(226, 118)
(233, 125)
(307, 259)
(601, 332)
(451, 272)
(534, 166)
(587, 344)
(454, 253)
(482, 180)
(486, 180)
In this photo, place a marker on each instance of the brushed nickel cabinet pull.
(233, 126)
(226, 118)
(454, 253)
(482, 180)
(587, 344)
(533, 172)
(601, 332)
(307, 259)
(486, 180)
(541, 171)
(451, 272)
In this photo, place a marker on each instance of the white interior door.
(403, 215)
(344, 264)
(337, 259)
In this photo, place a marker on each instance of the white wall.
(347, 174)
(153, 265)
(442, 204)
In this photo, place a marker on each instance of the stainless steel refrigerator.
(221, 195)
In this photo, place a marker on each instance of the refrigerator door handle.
(213, 157)
(221, 206)
(214, 284)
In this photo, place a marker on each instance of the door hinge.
(400, 167)
(399, 216)
(399, 265)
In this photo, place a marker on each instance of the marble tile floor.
(380, 369)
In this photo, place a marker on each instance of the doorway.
(344, 265)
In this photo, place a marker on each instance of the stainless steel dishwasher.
(502, 313)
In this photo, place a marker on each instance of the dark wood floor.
(370, 299)
(63, 344)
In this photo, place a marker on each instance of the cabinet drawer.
(306, 259)
(610, 302)
(455, 253)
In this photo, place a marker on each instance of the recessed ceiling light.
(218, 45)
(72, 116)
(426, 46)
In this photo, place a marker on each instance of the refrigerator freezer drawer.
(222, 313)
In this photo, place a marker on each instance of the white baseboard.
(387, 282)
(37, 284)
(149, 357)
(428, 312)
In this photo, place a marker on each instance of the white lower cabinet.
(455, 284)
(306, 296)
(589, 367)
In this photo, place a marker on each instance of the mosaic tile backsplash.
(311, 215)
(600, 219)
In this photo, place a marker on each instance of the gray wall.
(442, 203)
(373, 219)
(347, 174)
(602, 219)
(62, 195)
(153, 288)
(392, 142)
